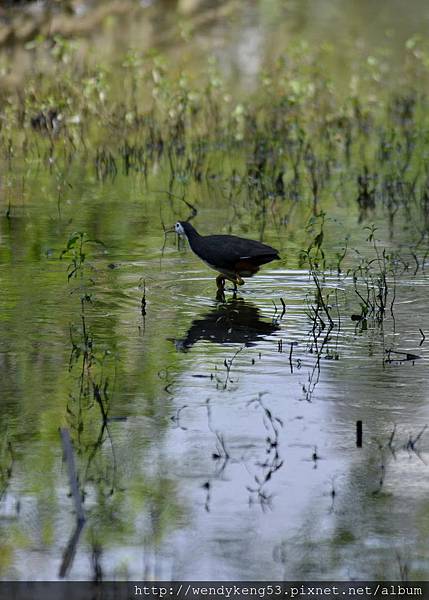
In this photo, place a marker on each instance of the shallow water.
(177, 489)
(228, 448)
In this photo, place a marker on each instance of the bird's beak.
(170, 230)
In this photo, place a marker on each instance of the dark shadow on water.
(235, 321)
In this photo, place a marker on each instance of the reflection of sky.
(300, 522)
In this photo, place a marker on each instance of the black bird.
(233, 257)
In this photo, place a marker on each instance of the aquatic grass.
(373, 280)
(92, 470)
(297, 143)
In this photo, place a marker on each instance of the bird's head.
(183, 228)
(179, 229)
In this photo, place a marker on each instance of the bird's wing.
(226, 250)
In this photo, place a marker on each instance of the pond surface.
(224, 457)
(212, 439)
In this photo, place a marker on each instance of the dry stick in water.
(359, 434)
(70, 551)
(292, 344)
(142, 286)
(74, 485)
(284, 308)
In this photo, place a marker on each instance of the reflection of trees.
(89, 431)
(99, 478)
(118, 485)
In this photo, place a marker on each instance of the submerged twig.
(73, 478)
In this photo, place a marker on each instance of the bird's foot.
(237, 281)
(220, 282)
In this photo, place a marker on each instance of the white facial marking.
(179, 229)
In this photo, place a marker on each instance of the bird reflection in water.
(232, 322)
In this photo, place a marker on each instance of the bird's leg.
(220, 295)
(220, 282)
